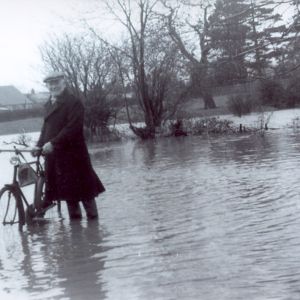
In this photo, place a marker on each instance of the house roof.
(38, 97)
(9, 95)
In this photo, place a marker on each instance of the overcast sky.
(24, 25)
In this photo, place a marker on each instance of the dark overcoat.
(69, 173)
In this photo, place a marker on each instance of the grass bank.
(193, 108)
(21, 126)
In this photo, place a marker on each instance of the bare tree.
(90, 73)
(153, 62)
(86, 61)
(197, 57)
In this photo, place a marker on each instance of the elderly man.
(68, 170)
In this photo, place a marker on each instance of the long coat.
(68, 170)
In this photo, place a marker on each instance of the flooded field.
(192, 218)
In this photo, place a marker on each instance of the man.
(68, 170)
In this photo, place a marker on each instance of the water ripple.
(193, 218)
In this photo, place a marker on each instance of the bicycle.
(12, 197)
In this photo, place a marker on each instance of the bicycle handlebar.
(20, 151)
(16, 150)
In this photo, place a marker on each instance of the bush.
(210, 126)
(98, 113)
(176, 128)
(273, 93)
(293, 88)
(104, 134)
(240, 105)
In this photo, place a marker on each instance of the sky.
(25, 25)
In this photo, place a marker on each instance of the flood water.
(186, 218)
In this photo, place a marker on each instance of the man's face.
(56, 87)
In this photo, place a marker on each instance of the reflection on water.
(187, 218)
(53, 260)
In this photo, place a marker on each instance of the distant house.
(37, 99)
(12, 99)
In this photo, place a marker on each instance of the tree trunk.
(208, 100)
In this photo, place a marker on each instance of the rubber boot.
(90, 208)
(74, 210)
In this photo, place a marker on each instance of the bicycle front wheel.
(11, 207)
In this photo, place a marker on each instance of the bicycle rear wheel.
(11, 207)
(39, 199)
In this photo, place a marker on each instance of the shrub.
(273, 93)
(176, 128)
(210, 126)
(293, 89)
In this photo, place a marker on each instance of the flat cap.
(54, 76)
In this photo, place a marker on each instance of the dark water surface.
(191, 218)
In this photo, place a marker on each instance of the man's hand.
(35, 151)
(47, 148)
